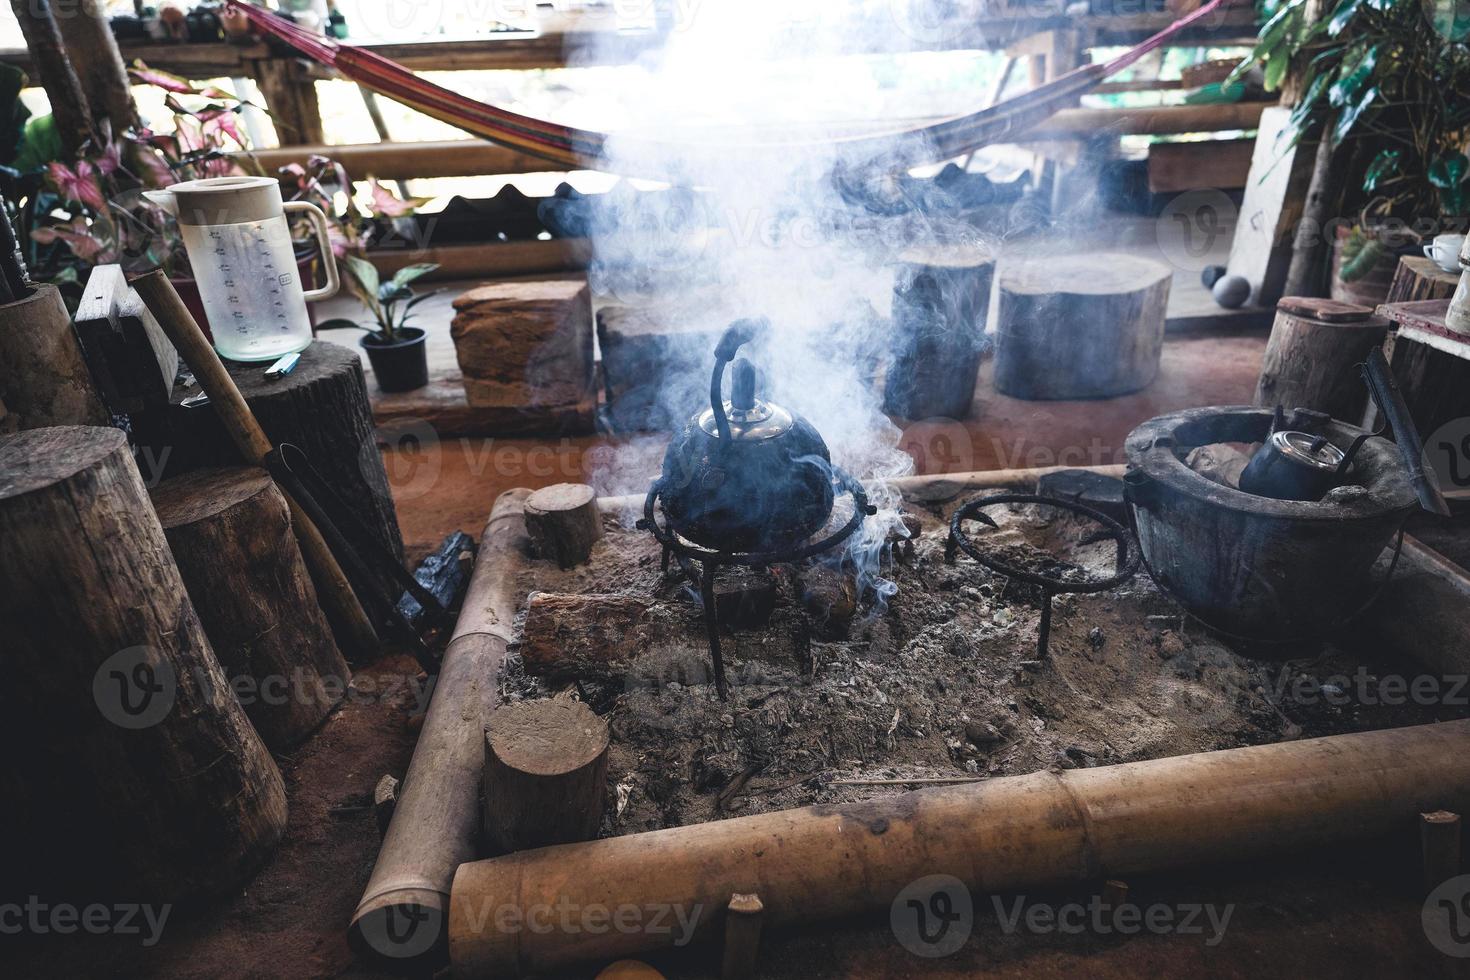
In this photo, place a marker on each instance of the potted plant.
(1387, 83)
(396, 351)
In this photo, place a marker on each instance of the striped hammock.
(570, 148)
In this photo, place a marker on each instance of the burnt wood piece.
(1312, 361)
(545, 774)
(656, 361)
(940, 298)
(830, 597)
(230, 533)
(563, 522)
(321, 407)
(138, 765)
(1419, 278)
(1101, 493)
(445, 573)
(744, 597)
(1080, 326)
(526, 345)
(596, 635)
(44, 379)
(132, 359)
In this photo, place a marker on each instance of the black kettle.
(746, 475)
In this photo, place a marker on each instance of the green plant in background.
(1388, 83)
(391, 303)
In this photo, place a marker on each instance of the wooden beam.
(1199, 164)
(492, 261)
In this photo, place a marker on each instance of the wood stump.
(321, 407)
(526, 345)
(1080, 326)
(940, 298)
(545, 774)
(44, 379)
(563, 522)
(1418, 278)
(656, 361)
(1313, 355)
(230, 533)
(134, 771)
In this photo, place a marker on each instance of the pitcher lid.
(226, 200)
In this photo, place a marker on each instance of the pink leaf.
(169, 83)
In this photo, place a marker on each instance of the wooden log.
(44, 379)
(436, 821)
(1312, 358)
(656, 361)
(1082, 326)
(1439, 843)
(138, 766)
(241, 429)
(94, 55)
(1041, 829)
(592, 635)
(545, 774)
(940, 298)
(743, 917)
(564, 522)
(321, 407)
(63, 89)
(525, 345)
(1420, 278)
(230, 533)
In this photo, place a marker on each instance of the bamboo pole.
(437, 817)
(332, 586)
(999, 835)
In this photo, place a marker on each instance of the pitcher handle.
(324, 248)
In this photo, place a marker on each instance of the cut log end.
(563, 522)
(545, 774)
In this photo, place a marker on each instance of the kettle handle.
(736, 335)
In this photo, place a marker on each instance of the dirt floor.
(1345, 911)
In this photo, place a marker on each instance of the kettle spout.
(165, 199)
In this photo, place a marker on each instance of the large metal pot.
(1256, 567)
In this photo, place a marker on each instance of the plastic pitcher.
(239, 244)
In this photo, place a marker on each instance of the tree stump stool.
(563, 522)
(321, 407)
(44, 380)
(231, 537)
(133, 771)
(1312, 357)
(1419, 278)
(545, 774)
(1080, 326)
(940, 298)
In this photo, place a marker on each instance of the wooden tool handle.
(168, 309)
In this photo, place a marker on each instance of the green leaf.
(1353, 76)
(1349, 116)
(1385, 164)
(340, 323)
(1447, 172)
(1340, 18)
(409, 273)
(1276, 68)
(421, 297)
(364, 272)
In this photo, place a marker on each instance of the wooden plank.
(1275, 192)
(1195, 165)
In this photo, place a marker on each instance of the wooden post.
(290, 98)
(563, 522)
(138, 765)
(1439, 843)
(940, 298)
(1080, 326)
(545, 774)
(44, 380)
(58, 77)
(742, 936)
(99, 67)
(1311, 359)
(230, 532)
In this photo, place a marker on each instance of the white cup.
(1446, 251)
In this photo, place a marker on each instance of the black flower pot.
(400, 364)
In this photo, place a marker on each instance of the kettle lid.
(750, 418)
